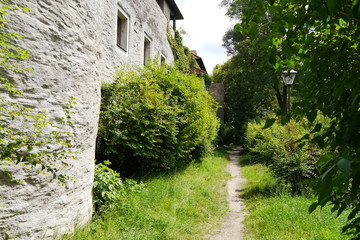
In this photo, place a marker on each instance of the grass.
(185, 205)
(274, 214)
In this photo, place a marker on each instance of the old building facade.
(74, 47)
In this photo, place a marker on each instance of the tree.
(249, 78)
(231, 39)
(320, 39)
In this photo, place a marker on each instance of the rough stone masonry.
(73, 49)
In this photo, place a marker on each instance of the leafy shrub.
(109, 190)
(279, 148)
(155, 118)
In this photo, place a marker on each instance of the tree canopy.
(249, 81)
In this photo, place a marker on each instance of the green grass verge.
(276, 215)
(185, 205)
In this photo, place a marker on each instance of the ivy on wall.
(184, 60)
(10, 54)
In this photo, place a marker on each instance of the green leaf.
(276, 41)
(253, 31)
(325, 175)
(325, 187)
(269, 122)
(356, 8)
(344, 166)
(325, 160)
(354, 3)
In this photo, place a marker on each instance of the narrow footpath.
(232, 228)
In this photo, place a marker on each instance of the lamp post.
(288, 80)
(264, 112)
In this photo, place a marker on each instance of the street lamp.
(288, 78)
(264, 112)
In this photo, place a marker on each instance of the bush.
(226, 135)
(109, 190)
(279, 148)
(155, 118)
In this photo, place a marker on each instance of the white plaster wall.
(167, 11)
(145, 17)
(73, 49)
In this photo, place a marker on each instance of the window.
(147, 49)
(162, 59)
(122, 31)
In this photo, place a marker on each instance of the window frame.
(162, 58)
(122, 30)
(147, 49)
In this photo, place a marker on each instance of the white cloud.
(206, 23)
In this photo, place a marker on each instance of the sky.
(205, 23)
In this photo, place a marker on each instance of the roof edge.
(175, 10)
(199, 60)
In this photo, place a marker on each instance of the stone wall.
(73, 49)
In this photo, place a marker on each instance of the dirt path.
(232, 222)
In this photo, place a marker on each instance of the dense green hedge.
(155, 118)
(279, 147)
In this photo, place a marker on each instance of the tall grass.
(274, 214)
(183, 205)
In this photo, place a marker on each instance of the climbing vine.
(27, 137)
(184, 60)
(10, 54)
